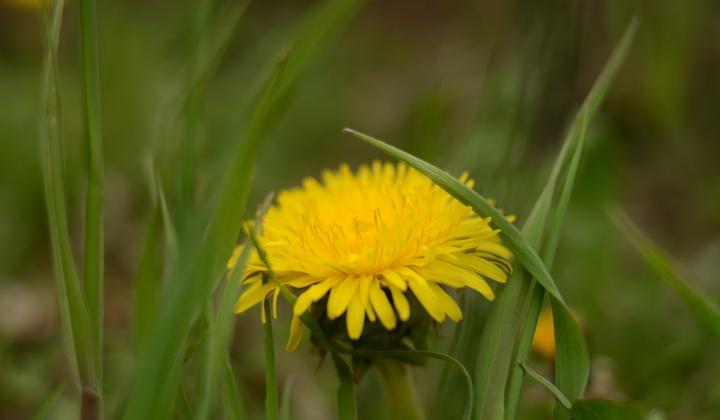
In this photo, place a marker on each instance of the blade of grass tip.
(511, 236)
(562, 399)
(223, 322)
(234, 408)
(73, 312)
(94, 245)
(573, 365)
(285, 405)
(704, 309)
(271, 387)
(572, 361)
(228, 21)
(534, 228)
(184, 181)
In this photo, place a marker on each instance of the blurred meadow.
(487, 87)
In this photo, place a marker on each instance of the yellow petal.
(449, 305)
(364, 289)
(355, 318)
(275, 300)
(252, 296)
(401, 303)
(394, 278)
(340, 297)
(425, 294)
(382, 307)
(313, 294)
(480, 285)
(297, 331)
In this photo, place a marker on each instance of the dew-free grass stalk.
(401, 394)
(76, 323)
(233, 406)
(94, 244)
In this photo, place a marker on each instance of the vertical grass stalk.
(396, 378)
(95, 190)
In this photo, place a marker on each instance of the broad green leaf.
(703, 308)
(592, 409)
(547, 384)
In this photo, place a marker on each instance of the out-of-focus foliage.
(482, 86)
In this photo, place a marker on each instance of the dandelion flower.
(544, 339)
(367, 245)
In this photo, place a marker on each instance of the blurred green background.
(483, 86)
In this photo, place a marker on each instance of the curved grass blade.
(562, 399)
(705, 310)
(511, 236)
(572, 362)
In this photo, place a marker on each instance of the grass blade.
(73, 312)
(547, 384)
(285, 405)
(94, 244)
(147, 281)
(572, 362)
(232, 399)
(705, 310)
(222, 324)
(511, 236)
(204, 251)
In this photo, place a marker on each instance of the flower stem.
(400, 389)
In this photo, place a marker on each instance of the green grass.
(235, 128)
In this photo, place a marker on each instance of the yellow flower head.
(544, 339)
(366, 245)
